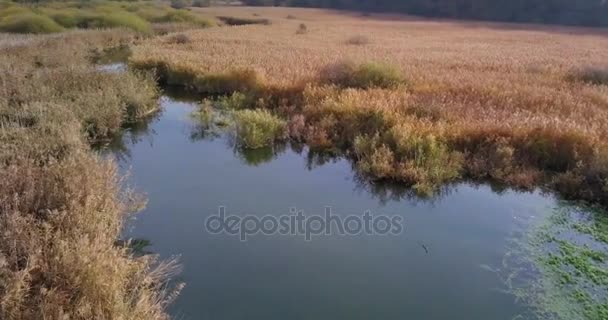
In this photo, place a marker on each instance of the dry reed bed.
(56, 69)
(61, 206)
(492, 101)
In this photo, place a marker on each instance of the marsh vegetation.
(522, 108)
(52, 17)
(409, 107)
(62, 207)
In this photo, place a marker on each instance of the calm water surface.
(433, 270)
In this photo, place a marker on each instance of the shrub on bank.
(182, 16)
(236, 101)
(407, 154)
(258, 128)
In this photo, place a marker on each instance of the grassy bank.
(52, 17)
(61, 206)
(525, 108)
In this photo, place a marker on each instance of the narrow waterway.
(437, 268)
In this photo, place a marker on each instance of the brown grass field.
(432, 101)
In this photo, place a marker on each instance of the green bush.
(258, 128)
(424, 159)
(183, 16)
(122, 19)
(69, 17)
(363, 76)
(29, 23)
(405, 154)
(236, 101)
(152, 13)
(67, 20)
(375, 158)
(11, 10)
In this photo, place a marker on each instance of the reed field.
(419, 101)
(62, 206)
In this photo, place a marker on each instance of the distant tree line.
(568, 12)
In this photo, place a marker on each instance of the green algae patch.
(560, 269)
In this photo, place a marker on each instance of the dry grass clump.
(126, 97)
(61, 206)
(358, 40)
(69, 81)
(58, 260)
(363, 76)
(179, 38)
(473, 108)
(302, 29)
(38, 130)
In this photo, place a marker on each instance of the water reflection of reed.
(132, 133)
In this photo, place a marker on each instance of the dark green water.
(435, 269)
